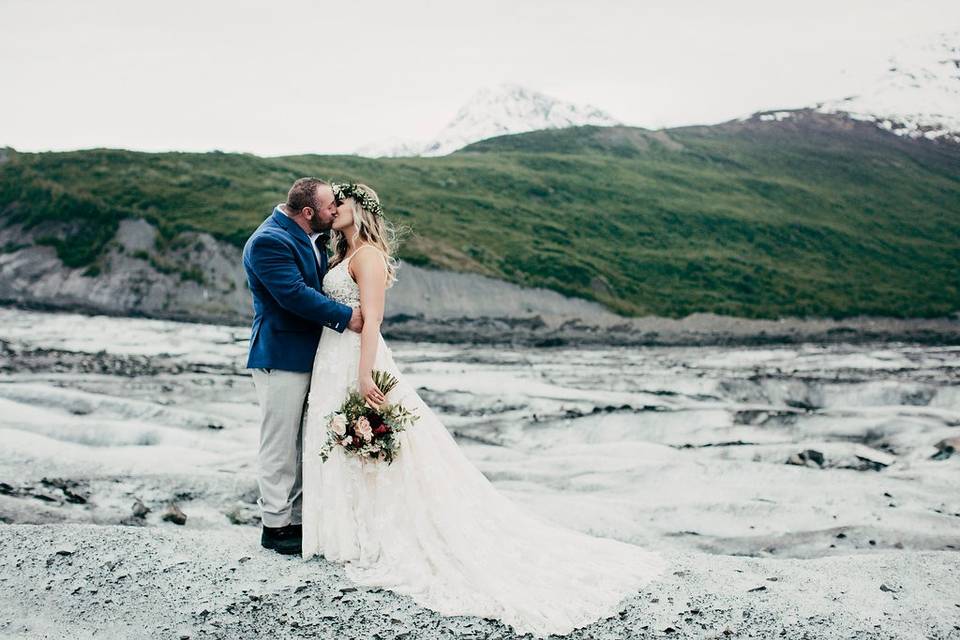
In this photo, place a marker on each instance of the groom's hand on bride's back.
(356, 321)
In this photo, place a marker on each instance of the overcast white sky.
(297, 76)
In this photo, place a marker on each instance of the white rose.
(362, 428)
(338, 424)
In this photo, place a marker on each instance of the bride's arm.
(371, 276)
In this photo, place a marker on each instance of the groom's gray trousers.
(282, 395)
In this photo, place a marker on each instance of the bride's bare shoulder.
(367, 262)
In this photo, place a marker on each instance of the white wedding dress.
(431, 526)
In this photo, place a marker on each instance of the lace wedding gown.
(431, 526)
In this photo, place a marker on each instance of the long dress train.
(431, 526)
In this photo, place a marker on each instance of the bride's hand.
(370, 391)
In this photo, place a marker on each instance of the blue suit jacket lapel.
(300, 235)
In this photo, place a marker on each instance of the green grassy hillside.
(810, 216)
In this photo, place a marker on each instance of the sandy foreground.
(110, 427)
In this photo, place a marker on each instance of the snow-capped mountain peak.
(502, 110)
(918, 95)
(511, 109)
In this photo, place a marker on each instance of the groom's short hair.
(303, 193)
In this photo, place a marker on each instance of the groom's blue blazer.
(289, 310)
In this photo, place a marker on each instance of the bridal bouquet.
(366, 432)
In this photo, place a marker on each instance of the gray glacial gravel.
(70, 581)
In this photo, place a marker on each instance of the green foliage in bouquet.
(384, 381)
(364, 431)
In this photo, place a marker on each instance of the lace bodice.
(339, 285)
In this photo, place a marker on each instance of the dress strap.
(382, 255)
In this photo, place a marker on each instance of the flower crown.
(344, 190)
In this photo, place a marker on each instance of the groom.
(285, 260)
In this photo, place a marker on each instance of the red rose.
(356, 441)
(382, 429)
(375, 419)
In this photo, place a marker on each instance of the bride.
(430, 525)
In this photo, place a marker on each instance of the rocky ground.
(135, 582)
(799, 491)
(699, 329)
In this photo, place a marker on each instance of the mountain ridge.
(507, 108)
(916, 95)
(818, 214)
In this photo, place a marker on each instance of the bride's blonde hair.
(368, 227)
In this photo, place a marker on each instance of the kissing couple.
(428, 524)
